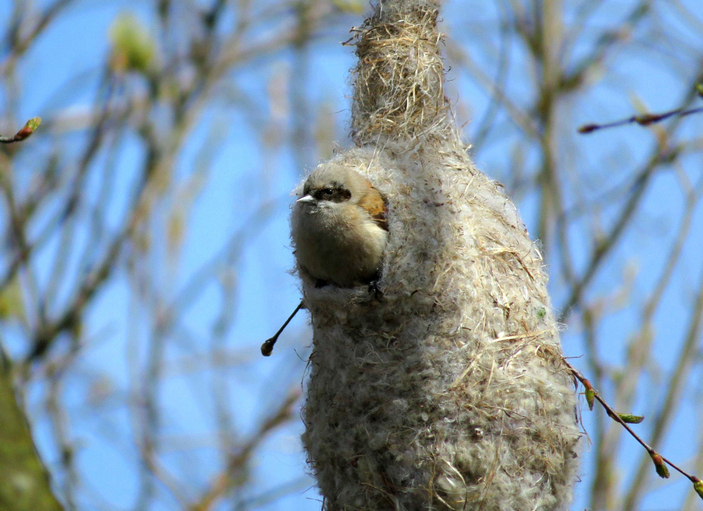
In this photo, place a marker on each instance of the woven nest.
(448, 392)
(399, 78)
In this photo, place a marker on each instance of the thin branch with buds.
(642, 120)
(645, 119)
(660, 462)
(29, 128)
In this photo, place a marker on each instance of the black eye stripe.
(334, 193)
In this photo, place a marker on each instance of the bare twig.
(267, 346)
(237, 462)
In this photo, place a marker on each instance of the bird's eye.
(327, 192)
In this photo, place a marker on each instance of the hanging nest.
(399, 86)
(448, 391)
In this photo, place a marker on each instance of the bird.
(339, 228)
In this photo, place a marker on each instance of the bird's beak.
(306, 199)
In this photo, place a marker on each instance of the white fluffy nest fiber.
(449, 392)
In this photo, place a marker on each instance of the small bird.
(339, 228)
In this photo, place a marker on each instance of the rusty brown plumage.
(374, 203)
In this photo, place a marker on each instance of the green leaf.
(133, 48)
(698, 486)
(11, 304)
(27, 129)
(590, 398)
(631, 419)
(660, 465)
(351, 6)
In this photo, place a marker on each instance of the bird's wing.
(375, 204)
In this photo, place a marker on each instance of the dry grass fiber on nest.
(399, 87)
(448, 393)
